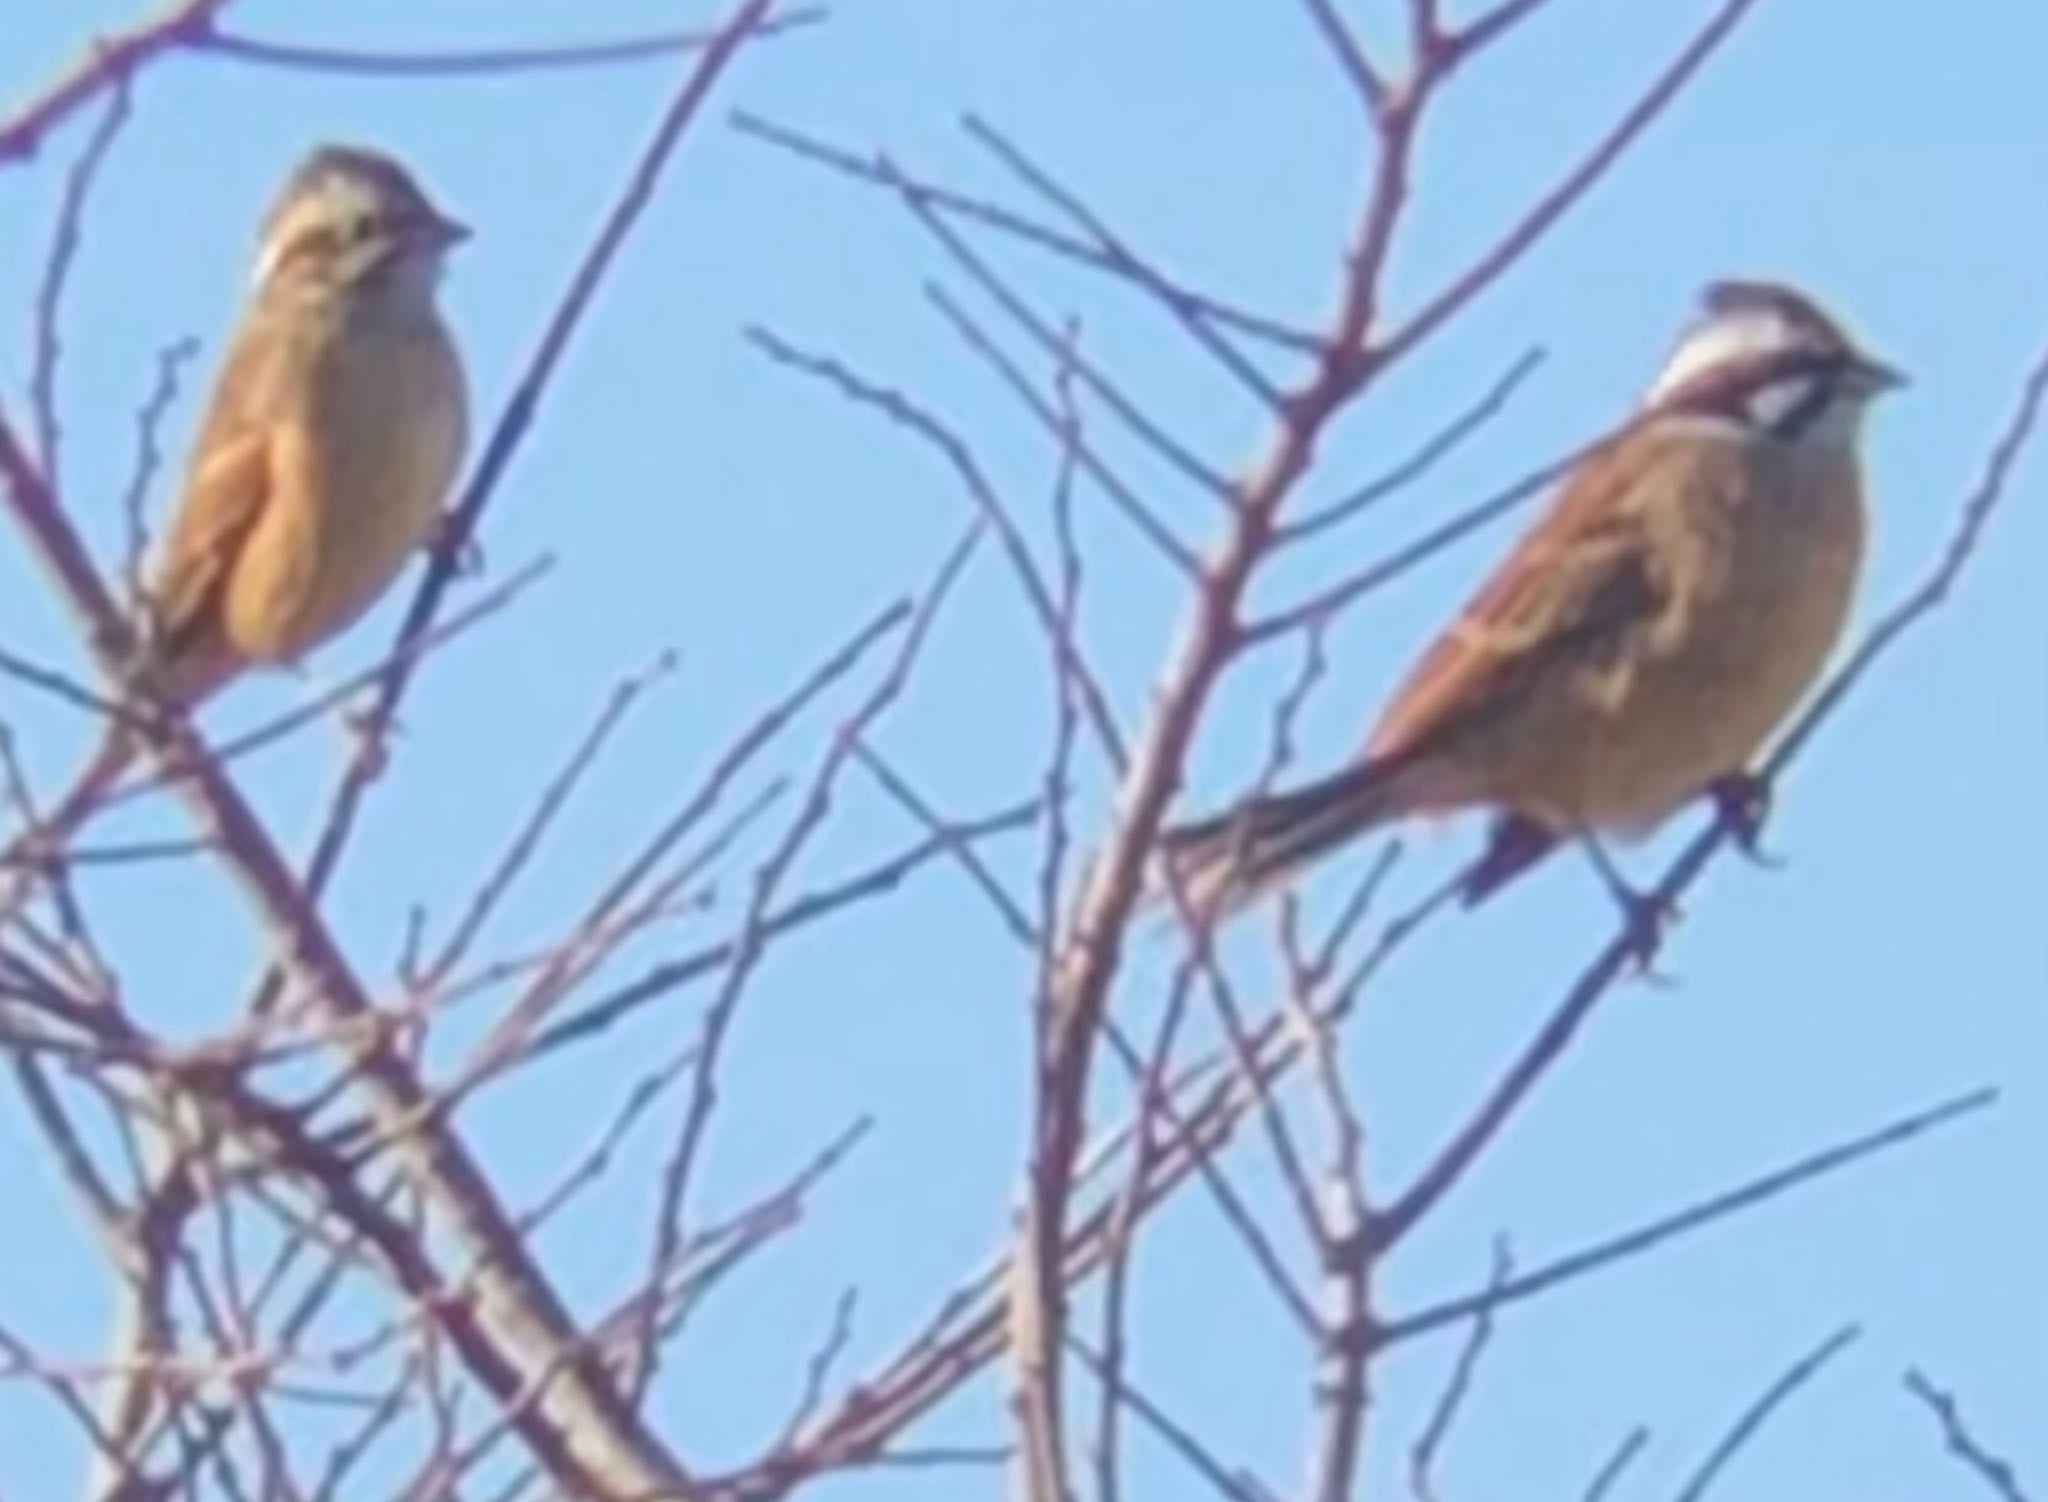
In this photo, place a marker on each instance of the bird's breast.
(362, 466)
(1701, 704)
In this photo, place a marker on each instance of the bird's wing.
(1602, 564)
(226, 490)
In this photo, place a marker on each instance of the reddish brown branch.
(64, 243)
(1347, 1332)
(1120, 1241)
(1486, 29)
(109, 61)
(1547, 211)
(1072, 1011)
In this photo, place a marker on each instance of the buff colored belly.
(362, 479)
(1703, 708)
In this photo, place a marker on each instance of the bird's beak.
(448, 232)
(1878, 376)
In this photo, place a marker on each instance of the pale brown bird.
(1644, 638)
(333, 435)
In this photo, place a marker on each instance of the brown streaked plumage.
(1641, 641)
(326, 453)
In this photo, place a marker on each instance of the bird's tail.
(1232, 859)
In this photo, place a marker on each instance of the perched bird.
(1641, 641)
(326, 453)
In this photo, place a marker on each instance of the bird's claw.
(1743, 800)
(368, 734)
(1646, 918)
(454, 548)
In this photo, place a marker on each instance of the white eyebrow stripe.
(1728, 339)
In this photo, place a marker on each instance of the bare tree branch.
(109, 62)
(1998, 1476)
(494, 62)
(1605, 1253)
(1753, 1418)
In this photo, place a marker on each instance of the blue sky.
(696, 498)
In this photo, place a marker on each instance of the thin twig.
(1753, 1418)
(1610, 1250)
(65, 240)
(490, 62)
(1998, 1475)
(1484, 30)
(590, 936)
(1201, 325)
(678, 1174)
(1177, 455)
(1350, 54)
(1060, 418)
(527, 840)
(1231, 1482)
(871, 882)
(149, 418)
(1439, 446)
(987, 501)
(945, 830)
(1552, 207)
(870, 170)
(1422, 1456)
(1609, 1475)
